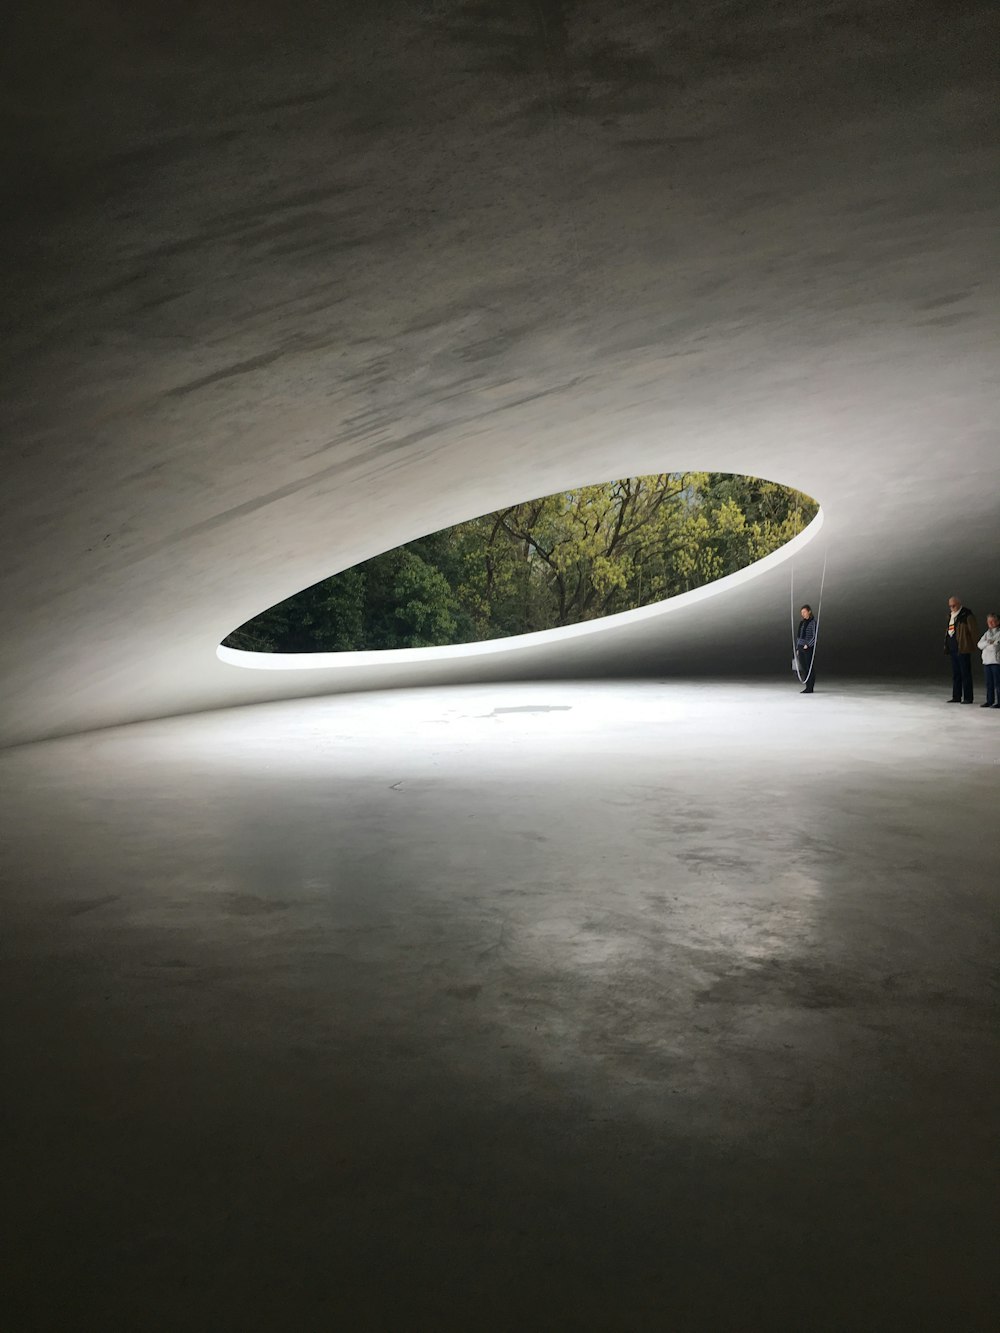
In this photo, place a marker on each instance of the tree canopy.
(576, 555)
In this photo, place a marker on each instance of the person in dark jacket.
(960, 642)
(805, 649)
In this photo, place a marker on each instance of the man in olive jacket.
(960, 642)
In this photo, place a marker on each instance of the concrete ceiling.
(291, 284)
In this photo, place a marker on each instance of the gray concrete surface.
(289, 284)
(574, 1006)
(566, 1006)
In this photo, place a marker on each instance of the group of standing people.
(961, 641)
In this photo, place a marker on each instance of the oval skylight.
(563, 560)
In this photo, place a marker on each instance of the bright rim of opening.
(575, 563)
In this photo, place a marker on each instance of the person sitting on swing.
(805, 648)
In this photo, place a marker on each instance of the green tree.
(409, 603)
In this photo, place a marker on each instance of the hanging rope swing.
(804, 680)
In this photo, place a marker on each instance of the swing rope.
(804, 680)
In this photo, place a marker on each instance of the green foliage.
(574, 556)
(329, 617)
(409, 602)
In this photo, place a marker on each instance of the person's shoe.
(968, 701)
(996, 705)
(806, 691)
(987, 705)
(954, 701)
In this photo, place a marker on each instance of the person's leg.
(956, 677)
(988, 681)
(805, 670)
(966, 662)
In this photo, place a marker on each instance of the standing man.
(805, 649)
(960, 642)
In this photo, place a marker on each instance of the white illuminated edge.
(488, 647)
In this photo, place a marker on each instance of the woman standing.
(805, 649)
(990, 644)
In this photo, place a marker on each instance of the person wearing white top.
(990, 644)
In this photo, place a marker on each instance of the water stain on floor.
(531, 708)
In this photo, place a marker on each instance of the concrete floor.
(589, 1006)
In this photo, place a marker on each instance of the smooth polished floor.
(565, 1006)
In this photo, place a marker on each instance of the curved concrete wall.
(293, 285)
